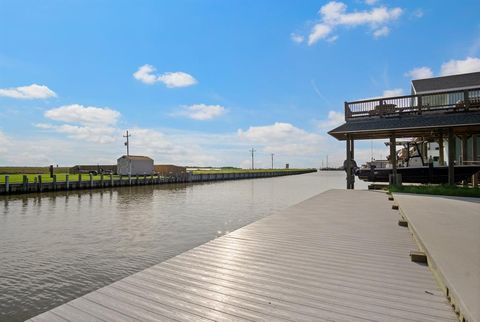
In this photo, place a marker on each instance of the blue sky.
(218, 77)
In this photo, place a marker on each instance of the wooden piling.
(25, 183)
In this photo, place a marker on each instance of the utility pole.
(253, 158)
(272, 160)
(327, 161)
(127, 143)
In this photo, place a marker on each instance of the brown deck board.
(339, 256)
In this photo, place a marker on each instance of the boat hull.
(418, 174)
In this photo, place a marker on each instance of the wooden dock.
(339, 256)
(448, 231)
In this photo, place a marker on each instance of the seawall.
(108, 181)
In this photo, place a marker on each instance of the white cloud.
(420, 73)
(4, 142)
(96, 134)
(92, 124)
(201, 112)
(381, 32)
(393, 92)
(467, 65)
(146, 74)
(77, 113)
(30, 92)
(283, 138)
(177, 79)
(296, 38)
(334, 14)
(334, 118)
(319, 31)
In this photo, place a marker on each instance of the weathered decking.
(448, 229)
(339, 256)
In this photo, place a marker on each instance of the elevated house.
(448, 89)
(135, 165)
(439, 109)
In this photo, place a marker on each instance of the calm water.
(62, 245)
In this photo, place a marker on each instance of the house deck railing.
(440, 102)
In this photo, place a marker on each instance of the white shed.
(134, 165)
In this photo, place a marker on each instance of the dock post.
(475, 158)
(25, 183)
(40, 188)
(441, 150)
(129, 179)
(111, 179)
(54, 182)
(7, 184)
(352, 158)
(67, 181)
(464, 154)
(144, 179)
(91, 180)
(451, 157)
(349, 162)
(393, 157)
(101, 180)
(79, 181)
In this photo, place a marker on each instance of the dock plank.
(339, 256)
(448, 230)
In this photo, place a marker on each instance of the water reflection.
(57, 246)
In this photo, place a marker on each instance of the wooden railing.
(440, 102)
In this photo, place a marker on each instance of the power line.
(272, 160)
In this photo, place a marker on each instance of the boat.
(418, 162)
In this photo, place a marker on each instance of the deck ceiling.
(408, 126)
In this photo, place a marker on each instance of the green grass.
(30, 170)
(443, 190)
(245, 170)
(61, 177)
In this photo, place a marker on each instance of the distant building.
(135, 165)
(89, 168)
(169, 170)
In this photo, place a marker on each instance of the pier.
(448, 231)
(338, 256)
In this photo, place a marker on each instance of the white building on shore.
(135, 165)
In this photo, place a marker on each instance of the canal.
(55, 247)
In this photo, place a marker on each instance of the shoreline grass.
(247, 170)
(438, 190)
(15, 178)
(61, 177)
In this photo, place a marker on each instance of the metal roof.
(135, 157)
(435, 84)
(412, 125)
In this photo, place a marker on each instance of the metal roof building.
(135, 165)
(451, 83)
